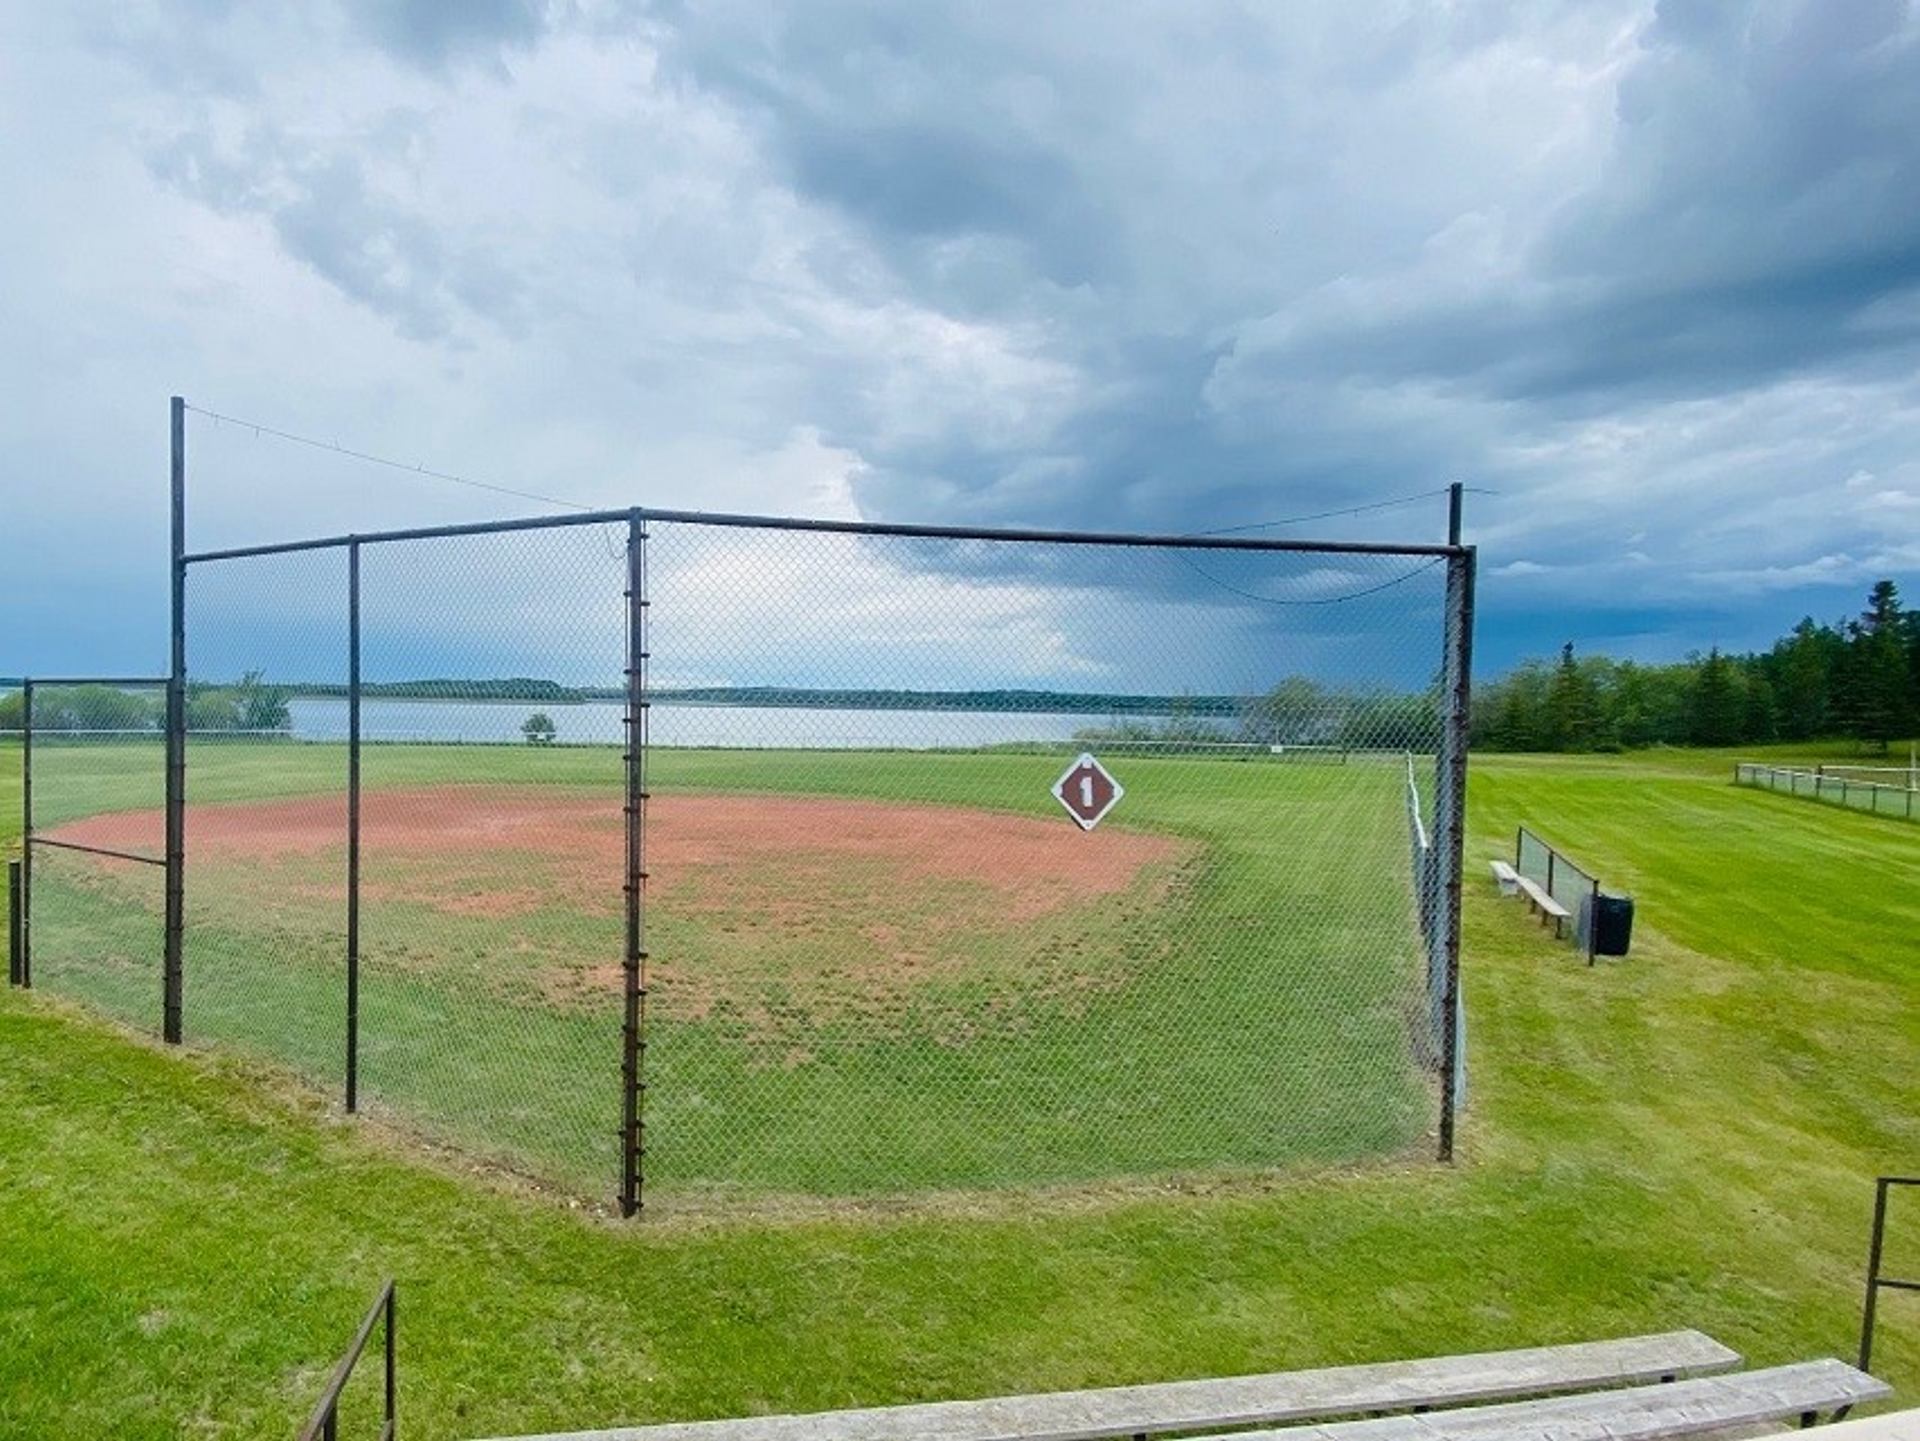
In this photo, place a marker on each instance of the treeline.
(248, 704)
(1298, 711)
(1856, 679)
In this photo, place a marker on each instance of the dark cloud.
(1652, 272)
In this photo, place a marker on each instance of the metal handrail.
(1875, 1281)
(322, 1424)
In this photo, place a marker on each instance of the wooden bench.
(1187, 1406)
(1888, 1426)
(1546, 905)
(1704, 1406)
(1505, 876)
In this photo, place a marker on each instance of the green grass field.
(871, 972)
(1683, 1139)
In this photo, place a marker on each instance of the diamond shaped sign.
(1088, 791)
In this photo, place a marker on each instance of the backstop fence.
(1881, 791)
(725, 855)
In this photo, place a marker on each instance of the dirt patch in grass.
(773, 913)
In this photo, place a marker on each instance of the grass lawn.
(870, 972)
(1683, 1139)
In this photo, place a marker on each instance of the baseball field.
(1683, 1138)
(868, 972)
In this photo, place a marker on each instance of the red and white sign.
(1088, 791)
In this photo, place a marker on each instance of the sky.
(1645, 277)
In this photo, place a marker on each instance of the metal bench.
(1188, 1406)
(1505, 876)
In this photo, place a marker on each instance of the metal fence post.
(170, 980)
(26, 835)
(353, 826)
(633, 1041)
(1452, 789)
(14, 928)
(1873, 1272)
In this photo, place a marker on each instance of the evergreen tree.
(1570, 706)
(1717, 703)
(1882, 667)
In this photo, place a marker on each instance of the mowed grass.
(1256, 1002)
(1686, 1138)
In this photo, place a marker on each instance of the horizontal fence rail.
(1838, 786)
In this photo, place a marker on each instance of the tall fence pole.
(170, 986)
(353, 826)
(16, 929)
(1452, 792)
(26, 834)
(633, 1041)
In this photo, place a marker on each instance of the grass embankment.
(1683, 1139)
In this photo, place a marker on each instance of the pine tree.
(1882, 668)
(1716, 702)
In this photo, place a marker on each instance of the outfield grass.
(826, 1024)
(1683, 1139)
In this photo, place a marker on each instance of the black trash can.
(1612, 924)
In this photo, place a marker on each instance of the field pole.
(26, 835)
(633, 968)
(1452, 793)
(353, 826)
(176, 738)
(14, 928)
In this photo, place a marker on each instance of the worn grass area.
(1683, 1139)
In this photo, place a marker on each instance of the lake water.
(671, 724)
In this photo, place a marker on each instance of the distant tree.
(1801, 666)
(1881, 672)
(94, 708)
(1717, 703)
(1296, 711)
(258, 706)
(1572, 723)
(539, 729)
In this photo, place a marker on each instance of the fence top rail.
(644, 514)
(128, 680)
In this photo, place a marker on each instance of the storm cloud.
(1648, 275)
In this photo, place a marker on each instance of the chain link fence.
(1878, 790)
(92, 779)
(732, 856)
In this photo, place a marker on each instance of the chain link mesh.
(96, 847)
(882, 956)
(263, 964)
(968, 862)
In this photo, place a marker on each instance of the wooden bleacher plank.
(1698, 1407)
(1173, 1406)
